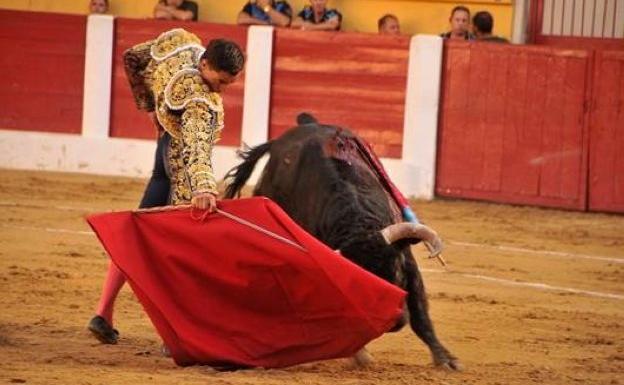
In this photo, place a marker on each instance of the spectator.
(316, 17)
(176, 10)
(98, 6)
(388, 25)
(460, 21)
(265, 12)
(482, 24)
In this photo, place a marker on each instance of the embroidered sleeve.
(136, 61)
(201, 127)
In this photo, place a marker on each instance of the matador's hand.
(205, 201)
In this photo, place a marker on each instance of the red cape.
(222, 293)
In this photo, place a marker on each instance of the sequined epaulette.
(187, 86)
(171, 42)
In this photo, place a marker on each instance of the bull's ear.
(306, 118)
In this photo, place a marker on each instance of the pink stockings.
(113, 283)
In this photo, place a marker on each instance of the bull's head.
(381, 252)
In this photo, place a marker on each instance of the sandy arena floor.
(489, 306)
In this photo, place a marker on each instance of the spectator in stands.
(482, 24)
(317, 17)
(460, 21)
(265, 12)
(388, 25)
(176, 10)
(98, 6)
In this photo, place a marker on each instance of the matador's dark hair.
(224, 55)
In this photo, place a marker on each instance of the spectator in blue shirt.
(265, 12)
(317, 17)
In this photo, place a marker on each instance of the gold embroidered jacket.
(164, 78)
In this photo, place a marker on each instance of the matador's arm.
(200, 131)
(136, 61)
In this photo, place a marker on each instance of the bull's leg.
(362, 358)
(419, 317)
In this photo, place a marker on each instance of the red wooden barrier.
(513, 126)
(41, 71)
(606, 164)
(353, 80)
(126, 120)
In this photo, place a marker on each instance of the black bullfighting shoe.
(105, 333)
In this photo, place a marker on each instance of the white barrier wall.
(95, 152)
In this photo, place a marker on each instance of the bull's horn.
(404, 230)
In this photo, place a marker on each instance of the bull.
(318, 175)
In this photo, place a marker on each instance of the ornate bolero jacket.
(164, 78)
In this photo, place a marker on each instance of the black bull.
(316, 174)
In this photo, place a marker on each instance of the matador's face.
(216, 80)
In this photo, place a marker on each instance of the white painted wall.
(75, 153)
(257, 99)
(96, 99)
(415, 175)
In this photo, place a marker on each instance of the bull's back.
(316, 170)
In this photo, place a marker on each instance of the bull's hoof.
(448, 362)
(101, 330)
(362, 358)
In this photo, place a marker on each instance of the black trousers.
(158, 188)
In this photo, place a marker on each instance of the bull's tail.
(238, 176)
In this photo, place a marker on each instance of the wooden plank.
(531, 148)
(552, 134)
(494, 127)
(515, 177)
(126, 120)
(607, 134)
(452, 174)
(618, 177)
(573, 174)
(473, 125)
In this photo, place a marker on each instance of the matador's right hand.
(205, 201)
